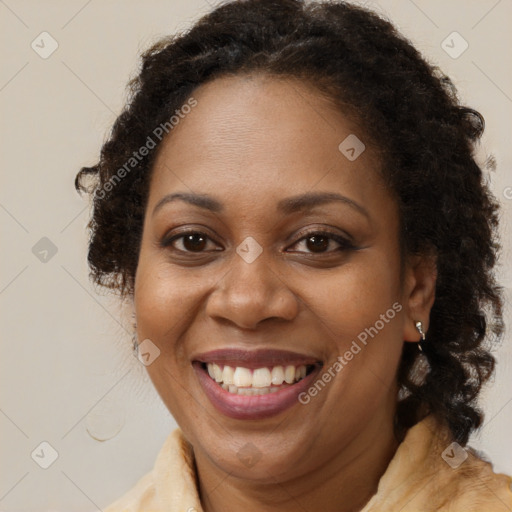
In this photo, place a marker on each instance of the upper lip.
(255, 358)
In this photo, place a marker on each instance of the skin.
(250, 142)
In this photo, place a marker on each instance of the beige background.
(66, 367)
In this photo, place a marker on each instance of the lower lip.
(255, 407)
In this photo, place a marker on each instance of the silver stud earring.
(419, 327)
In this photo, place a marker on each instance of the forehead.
(265, 137)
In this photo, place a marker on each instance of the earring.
(135, 343)
(419, 327)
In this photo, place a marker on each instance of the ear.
(418, 294)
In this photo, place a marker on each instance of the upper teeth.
(258, 378)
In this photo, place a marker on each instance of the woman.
(291, 202)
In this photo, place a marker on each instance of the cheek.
(360, 312)
(167, 302)
(165, 305)
(355, 296)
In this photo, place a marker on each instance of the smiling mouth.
(244, 381)
(254, 384)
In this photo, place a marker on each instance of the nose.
(250, 293)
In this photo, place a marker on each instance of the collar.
(421, 476)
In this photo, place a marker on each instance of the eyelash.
(343, 242)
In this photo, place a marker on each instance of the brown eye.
(317, 243)
(190, 241)
(194, 242)
(324, 242)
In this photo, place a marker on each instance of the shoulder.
(475, 486)
(169, 486)
(431, 472)
(140, 497)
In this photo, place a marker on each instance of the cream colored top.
(418, 478)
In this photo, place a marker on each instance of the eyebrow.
(287, 206)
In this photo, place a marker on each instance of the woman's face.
(282, 252)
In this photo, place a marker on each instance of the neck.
(344, 483)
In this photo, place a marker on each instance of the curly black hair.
(426, 142)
